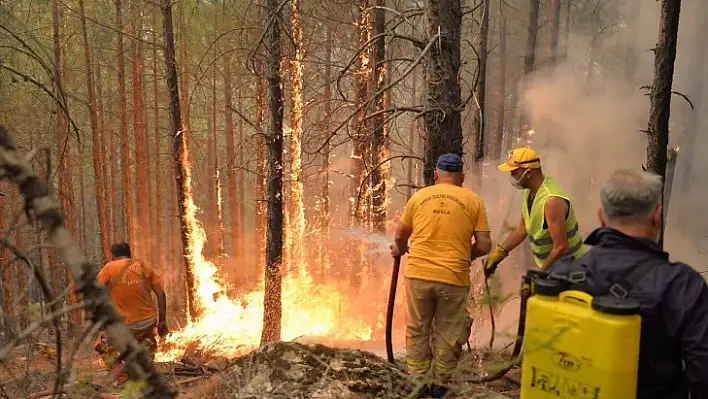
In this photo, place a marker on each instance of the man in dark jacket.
(673, 359)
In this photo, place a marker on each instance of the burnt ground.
(274, 371)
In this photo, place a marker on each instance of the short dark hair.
(121, 249)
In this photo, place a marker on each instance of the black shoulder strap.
(621, 288)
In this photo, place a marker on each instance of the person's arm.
(156, 284)
(516, 237)
(482, 244)
(403, 233)
(482, 237)
(555, 212)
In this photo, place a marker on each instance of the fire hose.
(389, 310)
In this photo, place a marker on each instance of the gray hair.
(631, 196)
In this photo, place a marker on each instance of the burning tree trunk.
(324, 193)
(97, 150)
(660, 107)
(497, 143)
(443, 104)
(555, 30)
(217, 180)
(125, 140)
(180, 156)
(358, 190)
(413, 132)
(478, 128)
(379, 150)
(296, 226)
(272, 306)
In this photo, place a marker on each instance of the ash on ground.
(293, 370)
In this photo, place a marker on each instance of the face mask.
(517, 183)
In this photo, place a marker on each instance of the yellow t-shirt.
(444, 218)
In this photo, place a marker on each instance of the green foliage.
(133, 389)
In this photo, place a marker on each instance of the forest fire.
(231, 327)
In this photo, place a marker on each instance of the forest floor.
(275, 371)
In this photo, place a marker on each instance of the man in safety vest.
(547, 217)
(447, 225)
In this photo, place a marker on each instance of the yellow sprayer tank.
(579, 347)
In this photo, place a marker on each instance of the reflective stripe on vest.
(539, 238)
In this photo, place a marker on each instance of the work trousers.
(444, 305)
(146, 337)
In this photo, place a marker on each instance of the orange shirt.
(444, 218)
(131, 290)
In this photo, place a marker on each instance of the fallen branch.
(40, 206)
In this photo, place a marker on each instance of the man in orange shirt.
(441, 222)
(131, 284)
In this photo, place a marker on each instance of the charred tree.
(180, 155)
(555, 31)
(660, 106)
(496, 145)
(531, 36)
(379, 143)
(96, 133)
(443, 104)
(272, 306)
(261, 178)
(481, 117)
(324, 217)
(158, 166)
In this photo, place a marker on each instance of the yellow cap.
(525, 157)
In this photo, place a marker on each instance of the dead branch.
(375, 168)
(404, 75)
(15, 167)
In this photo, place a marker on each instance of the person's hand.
(162, 329)
(493, 260)
(394, 251)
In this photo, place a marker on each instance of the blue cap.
(450, 163)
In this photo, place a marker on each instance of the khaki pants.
(445, 305)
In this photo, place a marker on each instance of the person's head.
(631, 202)
(524, 167)
(448, 170)
(120, 250)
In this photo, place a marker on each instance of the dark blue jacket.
(673, 359)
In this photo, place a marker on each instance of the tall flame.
(232, 326)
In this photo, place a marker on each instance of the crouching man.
(131, 284)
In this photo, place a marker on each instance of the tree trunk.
(443, 104)
(158, 167)
(358, 189)
(660, 107)
(241, 191)
(96, 133)
(412, 138)
(142, 153)
(530, 56)
(297, 207)
(7, 285)
(126, 162)
(566, 33)
(100, 110)
(260, 171)
(180, 155)
(481, 92)
(555, 30)
(235, 237)
(497, 143)
(272, 306)
(379, 143)
(324, 217)
(219, 250)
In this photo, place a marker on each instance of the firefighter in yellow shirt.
(547, 217)
(447, 226)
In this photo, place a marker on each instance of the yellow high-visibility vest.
(539, 237)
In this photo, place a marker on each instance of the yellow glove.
(493, 260)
